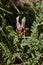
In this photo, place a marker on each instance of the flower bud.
(16, 30)
(24, 30)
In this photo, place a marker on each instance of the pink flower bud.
(17, 23)
(16, 30)
(24, 30)
(23, 22)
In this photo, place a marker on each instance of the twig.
(15, 6)
(5, 10)
(3, 23)
(6, 38)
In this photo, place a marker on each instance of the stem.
(15, 6)
(5, 10)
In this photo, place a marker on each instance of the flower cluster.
(19, 27)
